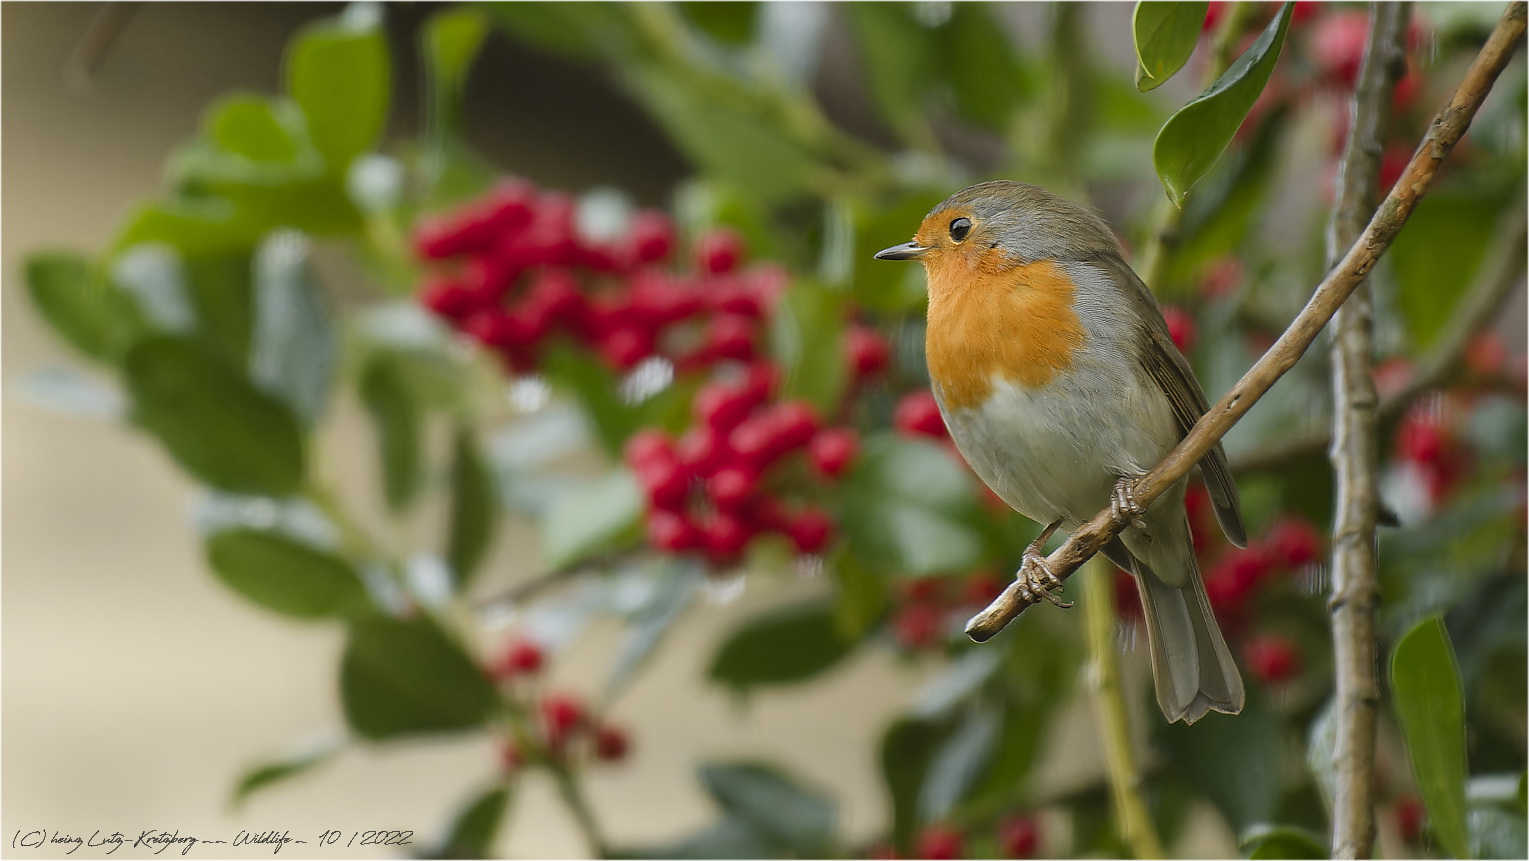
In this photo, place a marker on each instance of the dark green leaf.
(403, 676)
(338, 73)
(294, 352)
(1282, 841)
(255, 128)
(213, 422)
(398, 423)
(1233, 762)
(962, 760)
(731, 23)
(452, 40)
(786, 645)
(84, 309)
(1430, 708)
(591, 519)
(897, 56)
(279, 770)
(804, 338)
(1165, 36)
(1192, 139)
(908, 748)
(862, 596)
(878, 284)
(964, 677)
(979, 64)
(202, 226)
(798, 818)
(284, 575)
(472, 832)
(730, 837)
(909, 508)
(583, 30)
(1437, 255)
(221, 288)
(471, 527)
(595, 386)
(674, 586)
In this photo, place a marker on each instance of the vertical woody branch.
(1356, 590)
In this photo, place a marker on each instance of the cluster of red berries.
(563, 728)
(1018, 837)
(928, 604)
(719, 485)
(1427, 443)
(516, 273)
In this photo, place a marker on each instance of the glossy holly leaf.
(406, 676)
(398, 421)
(728, 23)
(881, 285)
(280, 770)
(861, 598)
(1438, 253)
(228, 434)
(338, 73)
(86, 310)
(908, 507)
(805, 339)
(284, 575)
(294, 351)
(470, 529)
(1233, 762)
(798, 818)
(1427, 696)
(1282, 841)
(1194, 138)
(786, 645)
(592, 518)
(256, 128)
(1165, 35)
(472, 831)
(674, 587)
(729, 837)
(961, 761)
(908, 748)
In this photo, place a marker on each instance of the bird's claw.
(1036, 582)
(1123, 505)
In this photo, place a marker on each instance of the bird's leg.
(1123, 505)
(1035, 578)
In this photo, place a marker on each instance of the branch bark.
(1356, 589)
(1443, 133)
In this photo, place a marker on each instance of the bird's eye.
(959, 228)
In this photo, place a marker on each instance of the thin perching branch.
(1355, 452)
(1443, 133)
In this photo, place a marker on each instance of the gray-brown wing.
(1170, 370)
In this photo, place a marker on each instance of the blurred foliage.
(209, 316)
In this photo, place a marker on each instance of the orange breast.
(990, 319)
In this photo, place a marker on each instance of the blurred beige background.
(135, 688)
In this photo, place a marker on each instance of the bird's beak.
(906, 251)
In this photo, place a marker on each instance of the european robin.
(1060, 385)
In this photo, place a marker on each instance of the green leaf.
(193, 227)
(730, 23)
(980, 67)
(898, 59)
(862, 596)
(1321, 751)
(674, 585)
(786, 645)
(1496, 833)
(729, 837)
(595, 386)
(591, 519)
(1233, 762)
(805, 340)
(471, 527)
(212, 420)
(1193, 139)
(581, 30)
(84, 309)
(452, 40)
(472, 831)
(1438, 253)
(284, 575)
(405, 676)
(1165, 36)
(294, 350)
(221, 288)
(909, 507)
(878, 285)
(280, 770)
(1282, 841)
(800, 819)
(962, 760)
(908, 747)
(1430, 708)
(337, 72)
(256, 128)
(398, 423)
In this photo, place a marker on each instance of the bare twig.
(1443, 133)
(1125, 777)
(1476, 312)
(1355, 456)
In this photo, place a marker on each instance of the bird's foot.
(1036, 582)
(1123, 505)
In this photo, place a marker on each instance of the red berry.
(1272, 658)
(1128, 599)
(646, 446)
(1392, 165)
(917, 626)
(626, 346)
(1337, 44)
(1410, 817)
(666, 484)
(448, 298)
(611, 743)
(555, 295)
(1486, 355)
(1181, 328)
(722, 408)
(562, 712)
(1392, 375)
(938, 843)
(867, 351)
(659, 300)
(1406, 91)
(1213, 13)
(795, 423)
(832, 450)
(651, 237)
(919, 414)
(924, 590)
(761, 381)
(1421, 438)
(768, 514)
(672, 532)
(729, 336)
(981, 588)
(702, 450)
(1019, 837)
(719, 252)
(726, 535)
(731, 486)
(755, 441)
(521, 657)
(496, 329)
(1293, 543)
(732, 295)
(810, 531)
